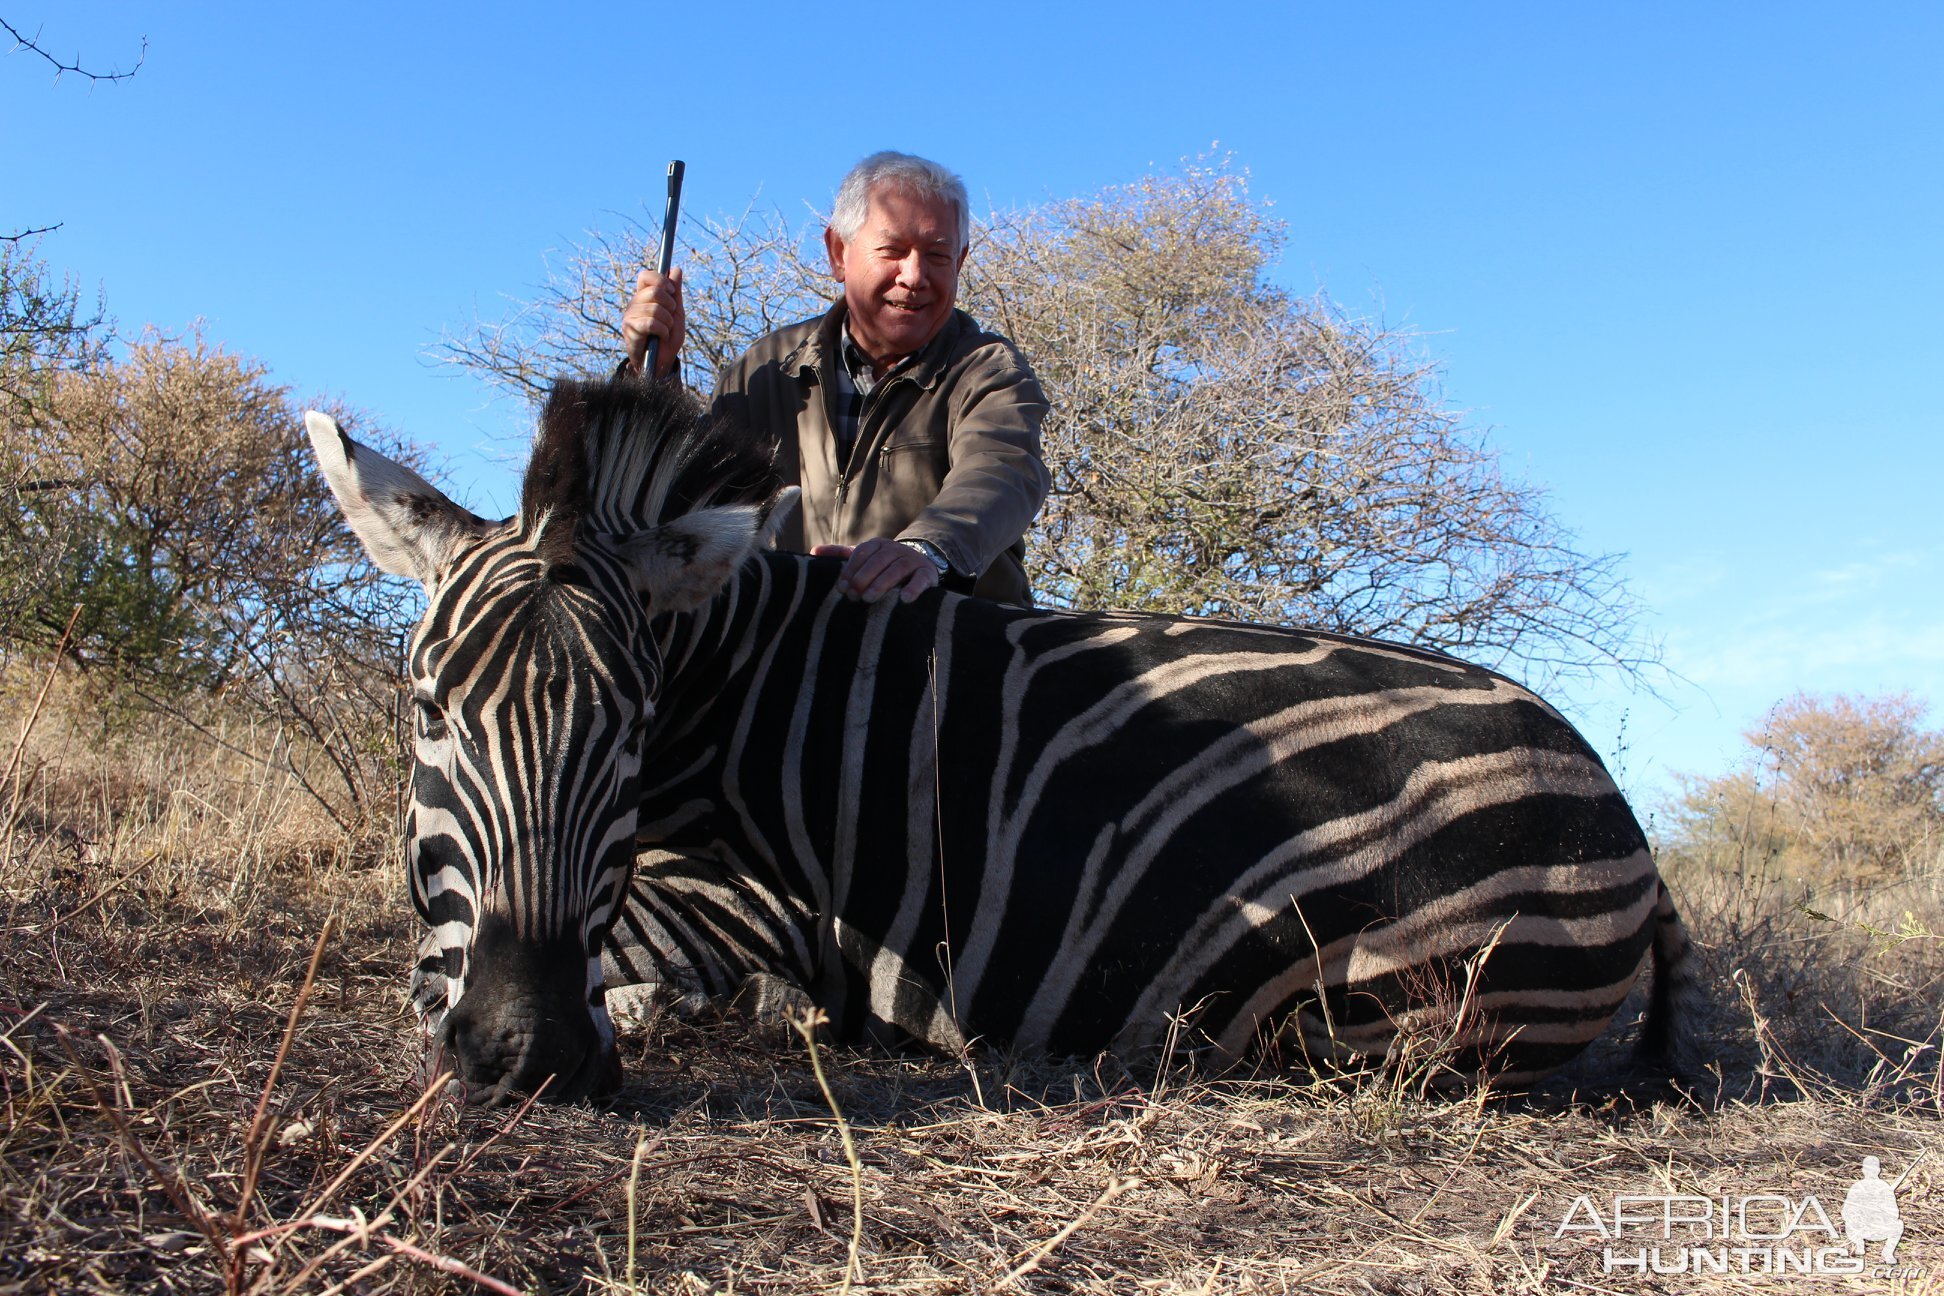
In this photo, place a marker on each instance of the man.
(913, 432)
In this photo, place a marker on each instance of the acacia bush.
(1841, 788)
(44, 332)
(45, 329)
(1218, 445)
(167, 503)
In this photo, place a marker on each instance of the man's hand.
(655, 310)
(877, 567)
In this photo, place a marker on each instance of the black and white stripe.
(527, 692)
(1061, 831)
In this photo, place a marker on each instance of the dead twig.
(155, 857)
(1114, 1188)
(169, 1181)
(806, 1026)
(404, 1118)
(32, 45)
(446, 1264)
(256, 1141)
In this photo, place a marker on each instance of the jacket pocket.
(928, 446)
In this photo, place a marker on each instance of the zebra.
(652, 751)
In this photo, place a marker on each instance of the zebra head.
(534, 677)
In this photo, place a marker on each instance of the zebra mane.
(623, 456)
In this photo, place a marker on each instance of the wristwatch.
(932, 553)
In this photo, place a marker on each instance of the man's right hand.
(655, 310)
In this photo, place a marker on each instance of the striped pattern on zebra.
(953, 820)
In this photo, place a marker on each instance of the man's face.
(900, 272)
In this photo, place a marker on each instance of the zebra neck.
(718, 663)
(714, 655)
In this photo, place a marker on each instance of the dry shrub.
(1830, 991)
(45, 328)
(169, 534)
(1830, 789)
(1222, 447)
(218, 790)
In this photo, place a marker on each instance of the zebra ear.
(777, 511)
(407, 526)
(682, 563)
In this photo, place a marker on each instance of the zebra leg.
(642, 964)
(693, 934)
(1666, 1037)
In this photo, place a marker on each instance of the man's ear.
(834, 245)
(405, 523)
(682, 564)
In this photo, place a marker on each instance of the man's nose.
(911, 271)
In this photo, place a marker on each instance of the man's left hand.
(876, 567)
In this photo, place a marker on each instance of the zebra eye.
(431, 721)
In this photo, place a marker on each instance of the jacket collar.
(824, 345)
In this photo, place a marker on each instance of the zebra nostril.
(465, 1050)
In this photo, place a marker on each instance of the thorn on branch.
(32, 45)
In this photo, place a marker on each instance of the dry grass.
(161, 902)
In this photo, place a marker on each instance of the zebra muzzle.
(523, 1025)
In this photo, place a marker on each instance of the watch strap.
(932, 553)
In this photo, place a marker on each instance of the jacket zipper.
(871, 403)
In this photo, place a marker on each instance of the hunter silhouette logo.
(1870, 1212)
(1750, 1233)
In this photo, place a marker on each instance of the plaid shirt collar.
(857, 366)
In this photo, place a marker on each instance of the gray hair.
(916, 176)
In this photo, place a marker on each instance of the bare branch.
(32, 45)
(745, 276)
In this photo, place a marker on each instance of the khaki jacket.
(948, 450)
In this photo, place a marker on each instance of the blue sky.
(1683, 261)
